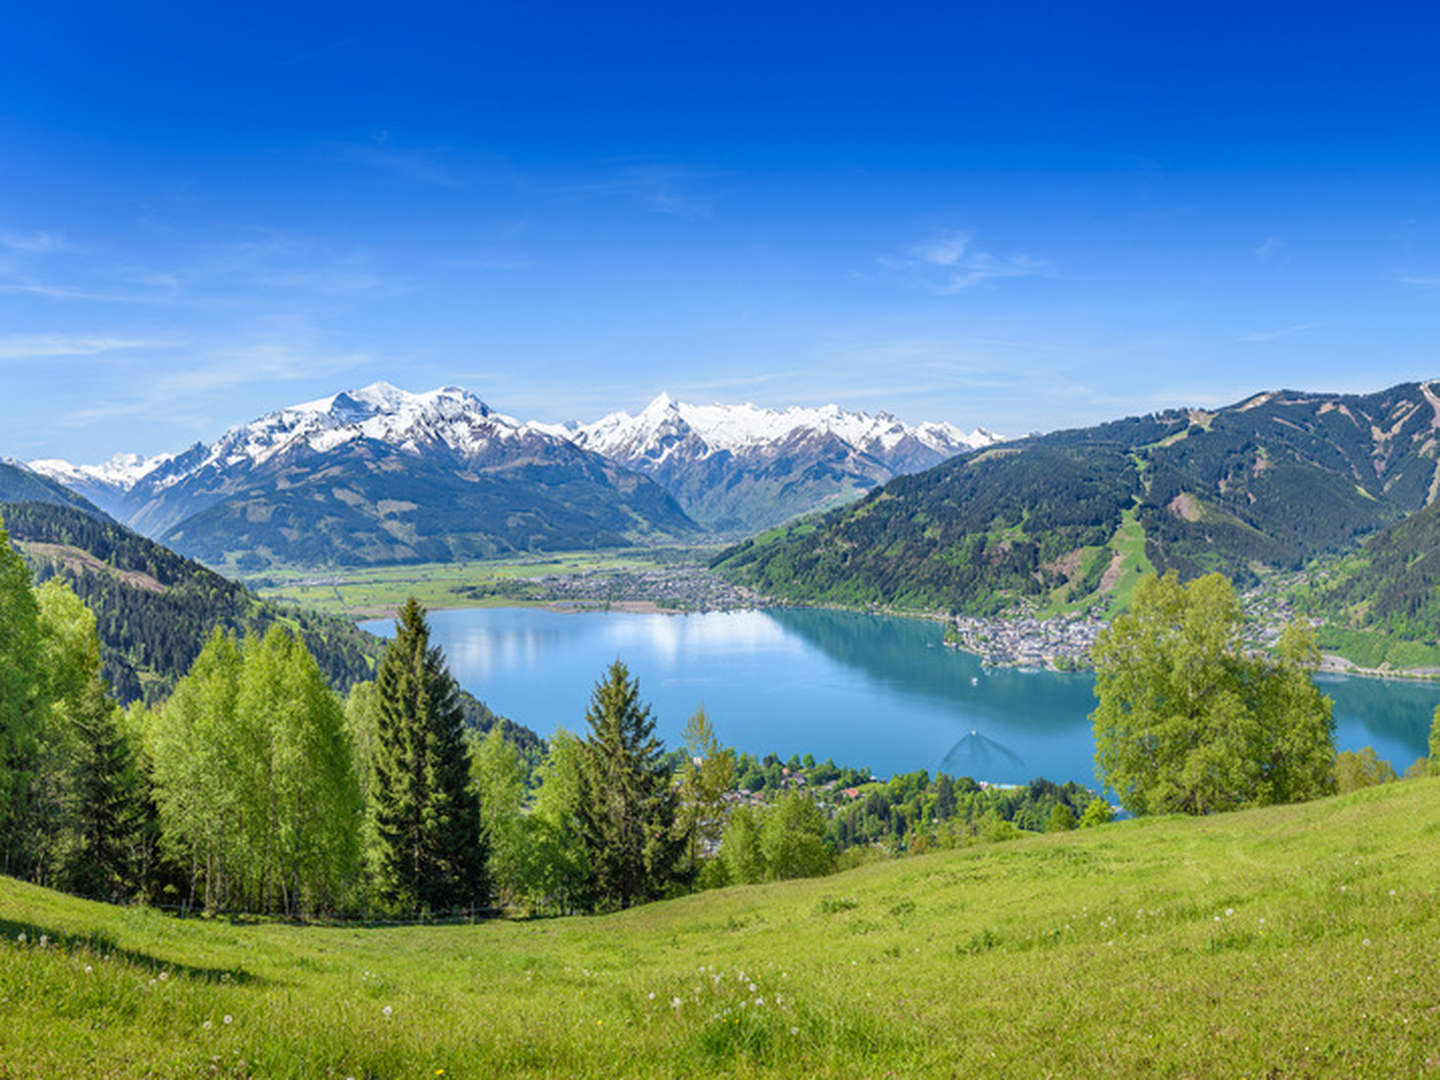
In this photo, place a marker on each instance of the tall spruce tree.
(110, 810)
(427, 818)
(628, 804)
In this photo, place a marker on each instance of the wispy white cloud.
(948, 262)
(39, 346)
(1274, 335)
(659, 187)
(29, 286)
(1268, 248)
(1420, 281)
(181, 394)
(415, 165)
(35, 243)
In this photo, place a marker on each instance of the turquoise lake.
(862, 689)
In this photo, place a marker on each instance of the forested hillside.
(1391, 584)
(1069, 517)
(154, 608)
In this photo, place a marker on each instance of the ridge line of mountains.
(380, 475)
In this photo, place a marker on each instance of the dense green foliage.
(1189, 722)
(426, 813)
(1269, 482)
(254, 779)
(1391, 584)
(23, 695)
(154, 608)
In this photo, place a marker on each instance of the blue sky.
(1019, 216)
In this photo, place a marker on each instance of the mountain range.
(739, 468)
(381, 475)
(1070, 517)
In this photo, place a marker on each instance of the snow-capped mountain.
(381, 474)
(742, 467)
(375, 475)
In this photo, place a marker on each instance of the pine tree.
(109, 806)
(427, 817)
(628, 807)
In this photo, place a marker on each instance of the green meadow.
(1284, 942)
(379, 590)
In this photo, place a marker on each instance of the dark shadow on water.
(980, 756)
(103, 945)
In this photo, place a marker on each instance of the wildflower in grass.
(44, 940)
(675, 1003)
(1229, 911)
(206, 1025)
(387, 1010)
(20, 937)
(794, 1031)
(229, 1019)
(88, 969)
(652, 995)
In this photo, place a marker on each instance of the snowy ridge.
(661, 425)
(447, 417)
(122, 472)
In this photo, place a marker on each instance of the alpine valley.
(379, 475)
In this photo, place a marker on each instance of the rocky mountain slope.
(740, 468)
(379, 475)
(1069, 517)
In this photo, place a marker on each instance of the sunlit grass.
(1298, 941)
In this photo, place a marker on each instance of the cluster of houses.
(686, 588)
(1061, 643)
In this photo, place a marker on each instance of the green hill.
(154, 608)
(1392, 584)
(1070, 518)
(1291, 941)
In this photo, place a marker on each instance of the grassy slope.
(379, 590)
(1296, 941)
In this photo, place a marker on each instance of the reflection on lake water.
(863, 689)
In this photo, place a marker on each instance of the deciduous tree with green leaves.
(1189, 722)
(708, 775)
(23, 697)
